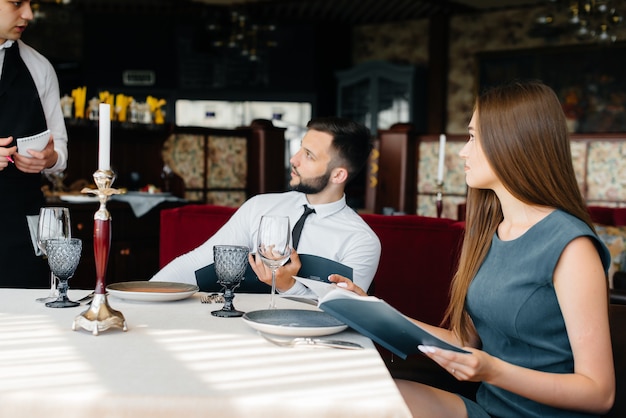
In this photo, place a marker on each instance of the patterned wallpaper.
(407, 42)
(399, 43)
(225, 164)
(600, 166)
(454, 187)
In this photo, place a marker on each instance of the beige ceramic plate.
(146, 291)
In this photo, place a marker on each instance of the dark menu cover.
(376, 319)
(313, 266)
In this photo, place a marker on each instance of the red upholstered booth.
(608, 216)
(419, 254)
(186, 227)
(418, 259)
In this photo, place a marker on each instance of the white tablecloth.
(177, 360)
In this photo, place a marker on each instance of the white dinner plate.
(293, 322)
(146, 291)
(78, 198)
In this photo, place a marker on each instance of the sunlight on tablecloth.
(252, 370)
(33, 355)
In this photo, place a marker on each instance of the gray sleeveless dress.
(516, 313)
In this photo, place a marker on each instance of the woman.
(529, 300)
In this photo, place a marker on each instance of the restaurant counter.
(176, 359)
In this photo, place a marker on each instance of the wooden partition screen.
(406, 171)
(226, 166)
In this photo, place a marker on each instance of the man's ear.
(339, 175)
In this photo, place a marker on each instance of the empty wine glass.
(230, 265)
(274, 246)
(63, 258)
(54, 222)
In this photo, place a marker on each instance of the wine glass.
(54, 222)
(63, 258)
(274, 246)
(230, 265)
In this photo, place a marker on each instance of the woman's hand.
(477, 366)
(346, 283)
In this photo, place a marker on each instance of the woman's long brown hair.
(522, 131)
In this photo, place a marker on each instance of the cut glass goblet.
(63, 259)
(230, 266)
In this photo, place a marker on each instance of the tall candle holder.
(100, 316)
(439, 198)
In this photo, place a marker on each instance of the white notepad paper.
(34, 142)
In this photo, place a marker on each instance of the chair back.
(617, 321)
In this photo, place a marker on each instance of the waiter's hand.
(284, 279)
(6, 154)
(39, 160)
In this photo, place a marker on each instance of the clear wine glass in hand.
(274, 246)
(63, 258)
(54, 222)
(230, 265)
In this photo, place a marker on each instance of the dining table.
(178, 360)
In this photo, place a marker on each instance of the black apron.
(21, 114)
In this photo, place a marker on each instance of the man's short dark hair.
(351, 140)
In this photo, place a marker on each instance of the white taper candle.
(442, 158)
(104, 132)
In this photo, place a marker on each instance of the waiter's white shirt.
(335, 231)
(47, 84)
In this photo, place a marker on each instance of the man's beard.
(314, 185)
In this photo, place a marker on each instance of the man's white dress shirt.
(335, 231)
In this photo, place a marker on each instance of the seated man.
(333, 151)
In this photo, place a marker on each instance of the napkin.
(142, 203)
(33, 222)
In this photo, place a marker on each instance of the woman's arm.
(581, 289)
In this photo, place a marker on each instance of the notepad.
(35, 142)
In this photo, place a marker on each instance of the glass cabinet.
(379, 94)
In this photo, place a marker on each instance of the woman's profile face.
(478, 171)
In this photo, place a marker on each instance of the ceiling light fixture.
(589, 20)
(239, 33)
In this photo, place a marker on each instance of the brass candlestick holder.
(100, 316)
(439, 198)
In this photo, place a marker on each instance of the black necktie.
(297, 229)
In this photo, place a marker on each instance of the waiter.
(29, 104)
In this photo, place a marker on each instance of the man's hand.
(284, 279)
(39, 160)
(6, 153)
